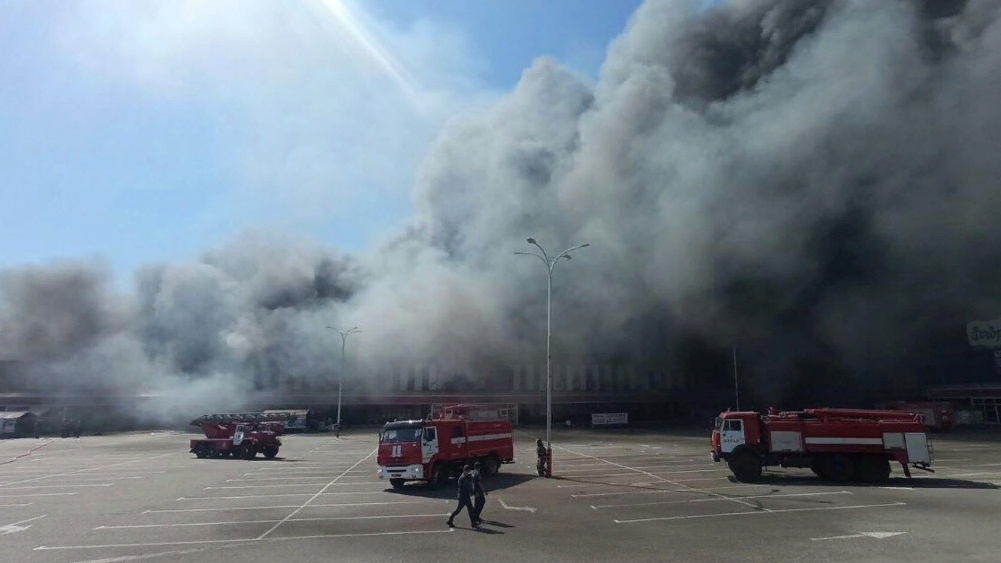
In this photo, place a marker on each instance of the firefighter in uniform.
(466, 489)
(479, 493)
(540, 451)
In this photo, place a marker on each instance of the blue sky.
(139, 132)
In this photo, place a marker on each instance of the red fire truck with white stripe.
(434, 449)
(837, 444)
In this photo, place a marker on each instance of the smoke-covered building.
(811, 182)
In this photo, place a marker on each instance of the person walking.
(479, 493)
(466, 490)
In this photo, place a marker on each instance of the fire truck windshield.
(399, 435)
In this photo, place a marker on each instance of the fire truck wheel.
(397, 483)
(438, 477)
(248, 452)
(200, 452)
(746, 467)
(270, 452)
(839, 468)
(491, 466)
(873, 469)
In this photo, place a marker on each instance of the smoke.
(814, 182)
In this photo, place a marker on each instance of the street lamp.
(550, 264)
(340, 380)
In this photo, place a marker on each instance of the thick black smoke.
(815, 182)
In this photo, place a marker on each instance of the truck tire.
(817, 466)
(397, 483)
(872, 469)
(839, 468)
(200, 452)
(270, 452)
(439, 478)
(247, 451)
(746, 466)
(491, 466)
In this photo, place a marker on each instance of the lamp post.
(340, 380)
(550, 264)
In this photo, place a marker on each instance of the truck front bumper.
(408, 472)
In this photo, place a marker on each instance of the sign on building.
(984, 334)
(609, 418)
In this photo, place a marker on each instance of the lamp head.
(531, 240)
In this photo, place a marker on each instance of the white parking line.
(713, 499)
(39, 495)
(239, 541)
(108, 466)
(329, 505)
(286, 520)
(675, 483)
(77, 486)
(279, 495)
(281, 485)
(314, 497)
(16, 505)
(253, 479)
(659, 491)
(760, 512)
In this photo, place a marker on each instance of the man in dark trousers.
(479, 494)
(466, 490)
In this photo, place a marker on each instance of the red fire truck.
(938, 417)
(434, 449)
(837, 444)
(239, 435)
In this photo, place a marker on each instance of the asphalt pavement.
(623, 496)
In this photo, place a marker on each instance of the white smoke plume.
(813, 181)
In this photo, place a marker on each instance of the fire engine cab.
(836, 444)
(434, 449)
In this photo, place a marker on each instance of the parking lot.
(618, 496)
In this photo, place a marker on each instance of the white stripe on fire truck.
(481, 438)
(840, 440)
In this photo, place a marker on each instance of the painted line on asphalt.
(281, 485)
(15, 505)
(675, 483)
(657, 491)
(876, 535)
(240, 541)
(314, 497)
(271, 521)
(283, 507)
(713, 499)
(505, 506)
(17, 527)
(39, 495)
(108, 466)
(264, 479)
(71, 486)
(760, 512)
(280, 495)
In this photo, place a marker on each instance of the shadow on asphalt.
(497, 482)
(915, 483)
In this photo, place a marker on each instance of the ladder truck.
(239, 435)
(838, 445)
